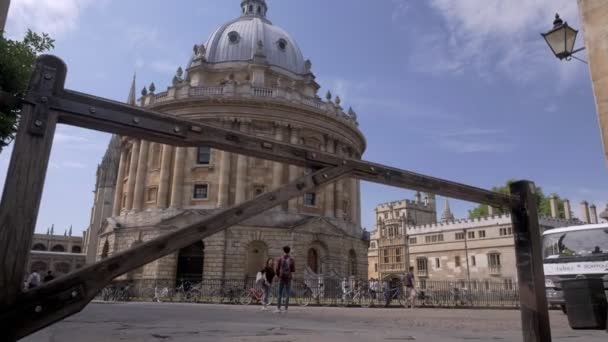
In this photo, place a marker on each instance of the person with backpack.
(286, 266)
(268, 275)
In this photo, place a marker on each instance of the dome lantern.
(255, 8)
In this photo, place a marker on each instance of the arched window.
(257, 253)
(39, 247)
(190, 261)
(76, 249)
(313, 260)
(62, 267)
(58, 248)
(106, 250)
(352, 263)
(39, 266)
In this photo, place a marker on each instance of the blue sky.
(465, 90)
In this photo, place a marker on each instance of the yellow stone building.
(478, 250)
(249, 76)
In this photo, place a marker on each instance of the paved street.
(190, 322)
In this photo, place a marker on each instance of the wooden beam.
(530, 273)
(97, 113)
(25, 180)
(43, 306)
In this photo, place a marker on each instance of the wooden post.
(25, 178)
(528, 253)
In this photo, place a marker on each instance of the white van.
(571, 253)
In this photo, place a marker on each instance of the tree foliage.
(16, 61)
(542, 201)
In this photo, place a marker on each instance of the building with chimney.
(478, 250)
(248, 76)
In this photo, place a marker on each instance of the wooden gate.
(47, 103)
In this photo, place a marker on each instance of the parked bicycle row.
(329, 291)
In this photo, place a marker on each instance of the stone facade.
(593, 18)
(458, 250)
(263, 95)
(61, 254)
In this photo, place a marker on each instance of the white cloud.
(55, 17)
(485, 36)
(474, 140)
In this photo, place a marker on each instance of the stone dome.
(252, 35)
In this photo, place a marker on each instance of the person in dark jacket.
(268, 272)
(286, 266)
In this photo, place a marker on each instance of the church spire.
(255, 8)
(131, 99)
(447, 215)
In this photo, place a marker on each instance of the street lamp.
(561, 39)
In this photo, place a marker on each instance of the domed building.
(249, 76)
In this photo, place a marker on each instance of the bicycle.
(232, 294)
(359, 297)
(187, 292)
(309, 294)
(460, 298)
(394, 293)
(256, 294)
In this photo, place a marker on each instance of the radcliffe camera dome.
(253, 35)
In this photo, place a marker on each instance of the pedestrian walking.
(268, 276)
(410, 291)
(286, 266)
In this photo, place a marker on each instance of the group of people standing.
(285, 267)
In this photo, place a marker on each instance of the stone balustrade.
(246, 90)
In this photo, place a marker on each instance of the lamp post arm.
(578, 50)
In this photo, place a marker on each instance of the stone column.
(353, 200)
(132, 174)
(593, 214)
(330, 199)
(585, 212)
(165, 175)
(140, 180)
(277, 168)
(567, 210)
(241, 171)
(358, 182)
(177, 187)
(223, 197)
(294, 171)
(117, 205)
(553, 204)
(339, 194)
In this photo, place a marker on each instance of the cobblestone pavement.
(190, 322)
